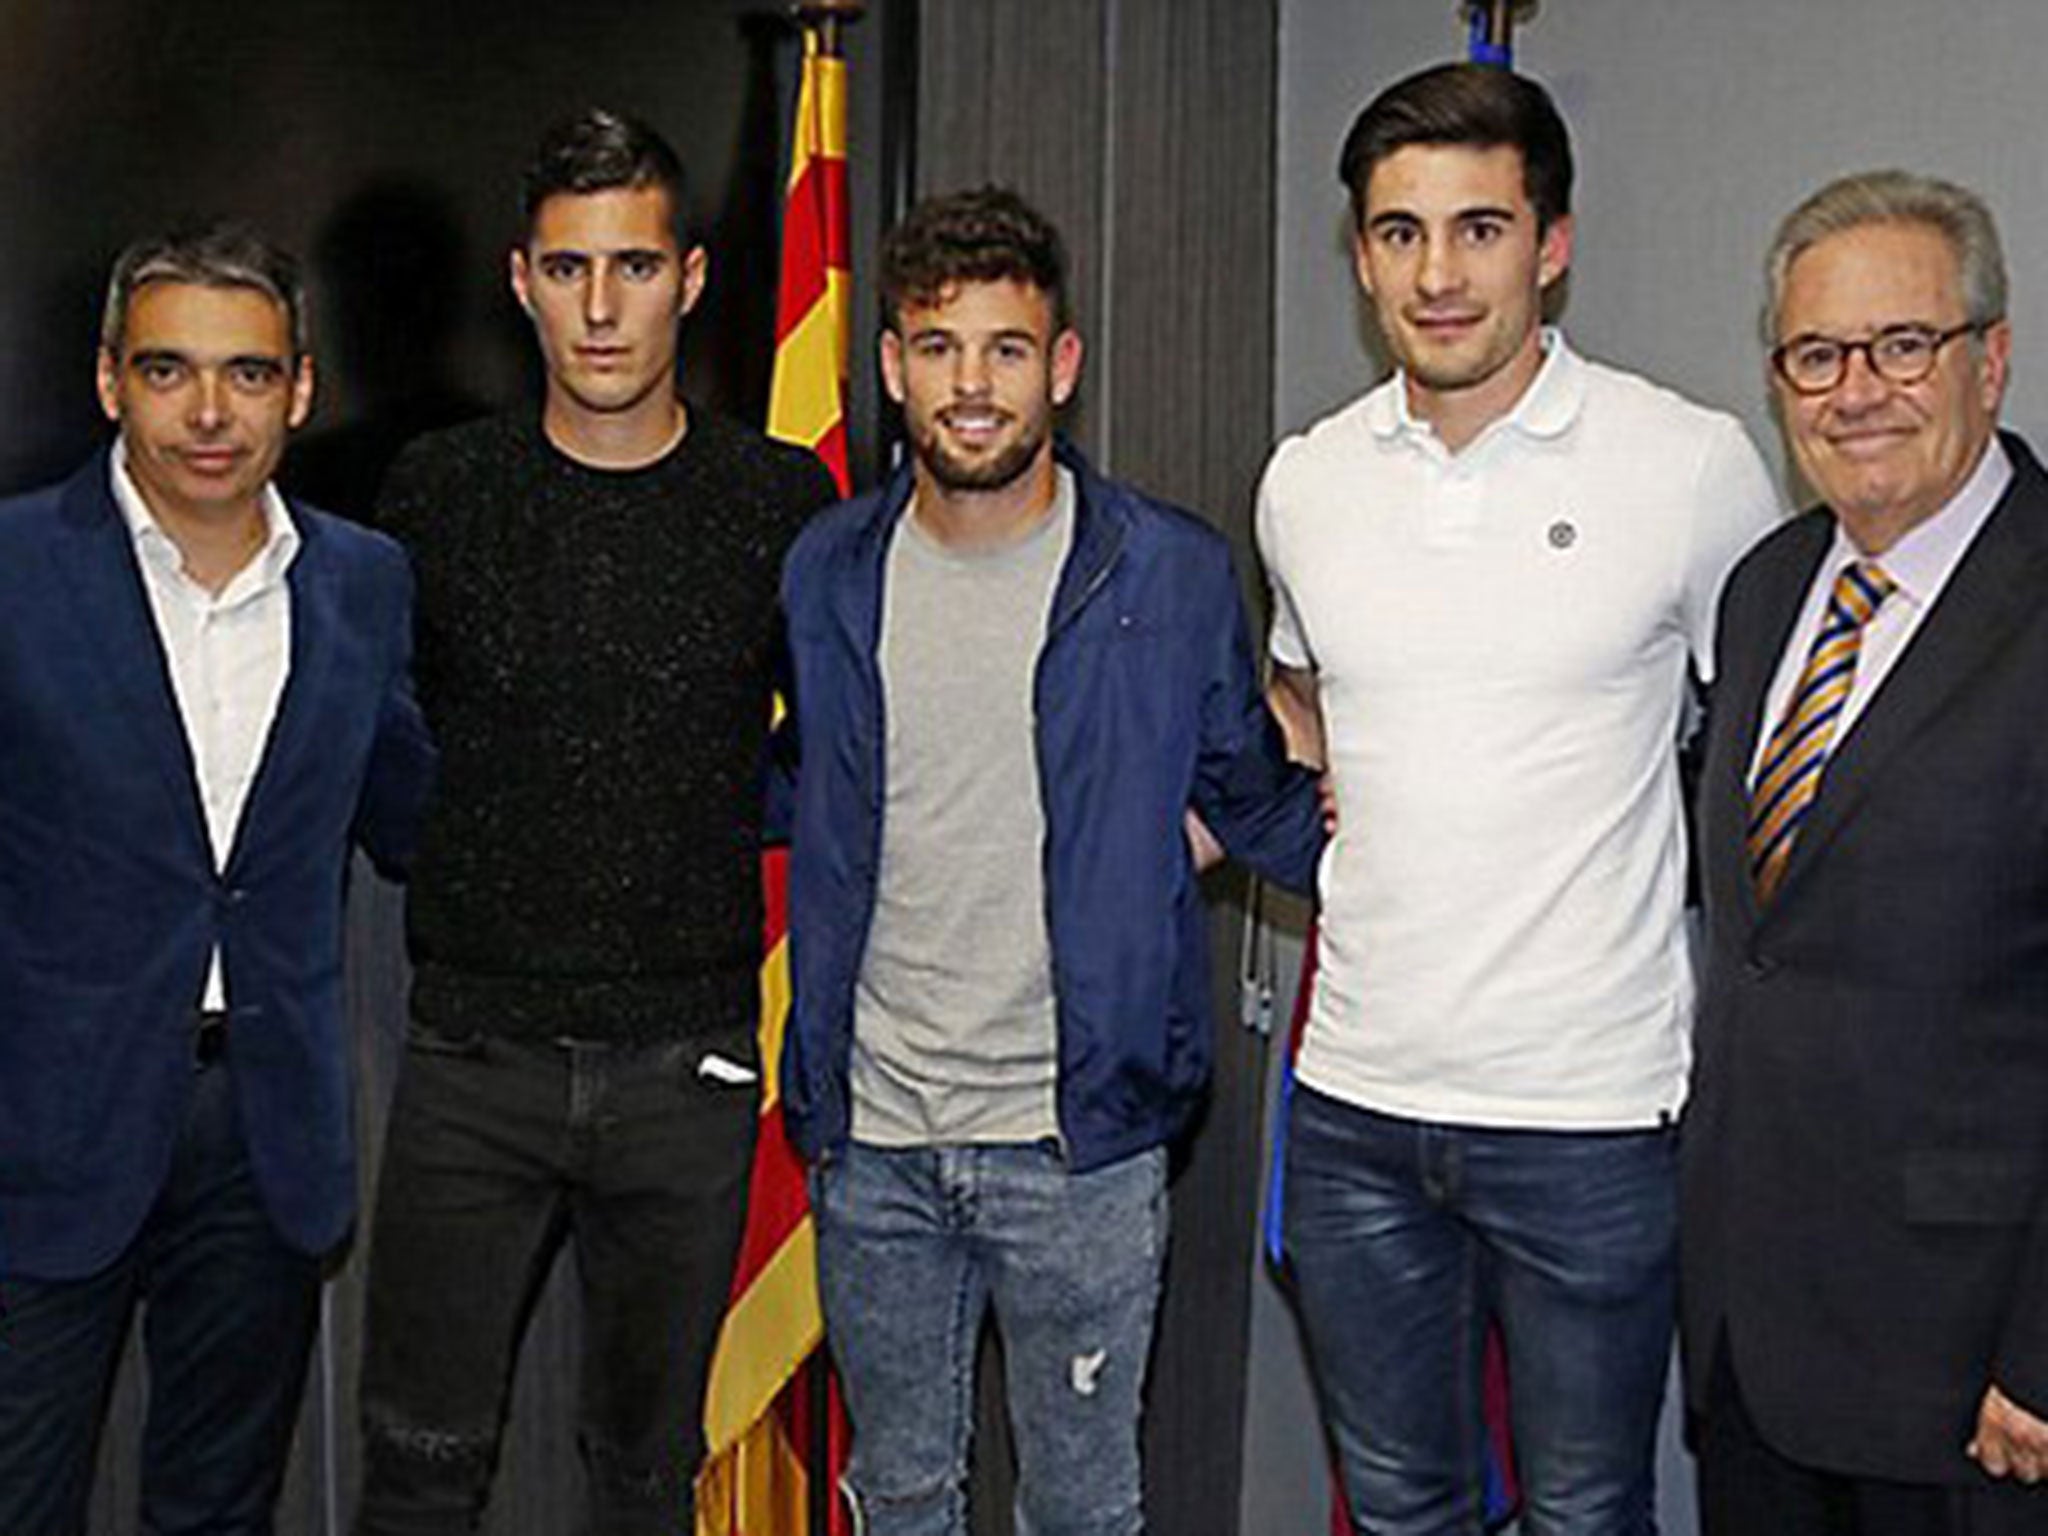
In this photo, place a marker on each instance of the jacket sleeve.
(1260, 806)
(2019, 1366)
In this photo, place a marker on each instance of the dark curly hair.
(986, 235)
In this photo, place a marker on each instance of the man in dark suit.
(1865, 1165)
(204, 702)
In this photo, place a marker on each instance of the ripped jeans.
(499, 1152)
(914, 1244)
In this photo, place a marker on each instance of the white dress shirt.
(228, 653)
(1920, 564)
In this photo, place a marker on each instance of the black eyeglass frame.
(1935, 340)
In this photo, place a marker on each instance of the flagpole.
(826, 20)
(827, 17)
(1492, 23)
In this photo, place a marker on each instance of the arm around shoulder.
(1261, 805)
(398, 780)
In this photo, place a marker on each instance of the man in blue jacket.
(204, 702)
(1012, 680)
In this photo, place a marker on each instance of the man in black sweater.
(596, 618)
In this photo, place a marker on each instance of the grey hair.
(216, 256)
(1957, 214)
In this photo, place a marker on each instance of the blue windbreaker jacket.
(1146, 703)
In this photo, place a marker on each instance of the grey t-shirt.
(953, 1026)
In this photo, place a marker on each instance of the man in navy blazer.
(204, 703)
(1865, 1154)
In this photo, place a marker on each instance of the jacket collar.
(96, 556)
(1101, 519)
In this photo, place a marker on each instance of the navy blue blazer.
(110, 904)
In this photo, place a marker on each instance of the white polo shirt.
(1500, 638)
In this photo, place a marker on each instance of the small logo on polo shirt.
(1562, 534)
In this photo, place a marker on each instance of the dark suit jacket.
(1865, 1154)
(109, 901)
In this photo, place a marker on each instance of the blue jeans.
(1404, 1237)
(913, 1246)
(228, 1312)
(500, 1152)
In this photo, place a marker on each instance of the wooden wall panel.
(1012, 91)
(1144, 128)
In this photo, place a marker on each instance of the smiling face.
(979, 375)
(606, 285)
(205, 390)
(1452, 258)
(1888, 456)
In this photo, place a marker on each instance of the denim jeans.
(498, 1153)
(1404, 1237)
(913, 1246)
(229, 1313)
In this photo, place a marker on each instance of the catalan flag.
(813, 312)
(756, 1418)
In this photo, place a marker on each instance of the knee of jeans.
(631, 1496)
(415, 1465)
(1590, 1494)
(899, 1503)
(1071, 1511)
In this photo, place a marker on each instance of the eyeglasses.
(1899, 354)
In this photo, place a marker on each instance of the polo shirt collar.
(1547, 408)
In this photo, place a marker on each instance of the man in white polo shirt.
(1490, 574)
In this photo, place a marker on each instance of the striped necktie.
(1789, 777)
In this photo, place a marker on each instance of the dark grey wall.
(382, 139)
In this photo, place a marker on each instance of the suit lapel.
(1996, 589)
(96, 559)
(315, 614)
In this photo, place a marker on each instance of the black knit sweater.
(593, 653)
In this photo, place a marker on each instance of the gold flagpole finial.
(826, 17)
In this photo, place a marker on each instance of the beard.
(955, 472)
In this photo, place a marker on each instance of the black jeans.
(228, 1317)
(498, 1153)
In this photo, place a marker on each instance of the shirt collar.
(1927, 555)
(1547, 407)
(280, 534)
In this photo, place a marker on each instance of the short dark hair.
(218, 255)
(986, 235)
(1480, 105)
(603, 151)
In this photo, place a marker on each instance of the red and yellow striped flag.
(807, 397)
(755, 1480)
